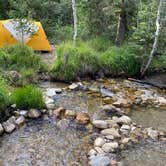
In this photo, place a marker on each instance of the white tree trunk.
(155, 44)
(75, 21)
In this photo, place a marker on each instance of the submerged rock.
(124, 120)
(99, 160)
(59, 112)
(50, 92)
(70, 114)
(34, 113)
(110, 147)
(153, 134)
(101, 124)
(99, 142)
(63, 124)
(111, 131)
(82, 118)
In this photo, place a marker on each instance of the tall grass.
(27, 97)
(85, 60)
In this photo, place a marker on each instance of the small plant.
(28, 97)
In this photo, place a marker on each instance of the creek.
(41, 143)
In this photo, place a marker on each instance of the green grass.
(27, 97)
(85, 60)
(82, 61)
(4, 95)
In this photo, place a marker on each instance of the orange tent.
(9, 35)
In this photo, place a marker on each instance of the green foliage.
(27, 97)
(17, 57)
(4, 95)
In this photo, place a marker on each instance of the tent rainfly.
(10, 35)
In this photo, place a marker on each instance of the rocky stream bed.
(98, 123)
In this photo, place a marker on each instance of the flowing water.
(42, 143)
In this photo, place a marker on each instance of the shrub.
(4, 95)
(27, 97)
(19, 56)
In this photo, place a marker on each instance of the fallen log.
(161, 86)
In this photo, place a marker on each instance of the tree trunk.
(155, 44)
(75, 21)
(122, 26)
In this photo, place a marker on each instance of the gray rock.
(74, 86)
(124, 120)
(101, 124)
(1, 129)
(110, 147)
(50, 92)
(125, 129)
(99, 142)
(111, 131)
(23, 113)
(34, 113)
(20, 121)
(99, 160)
(8, 126)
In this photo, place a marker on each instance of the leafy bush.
(27, 97)
(4, 95)
(19, 56)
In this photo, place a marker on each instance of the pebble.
(34, 113)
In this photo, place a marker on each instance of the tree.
(155, 44)
(74, 21)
